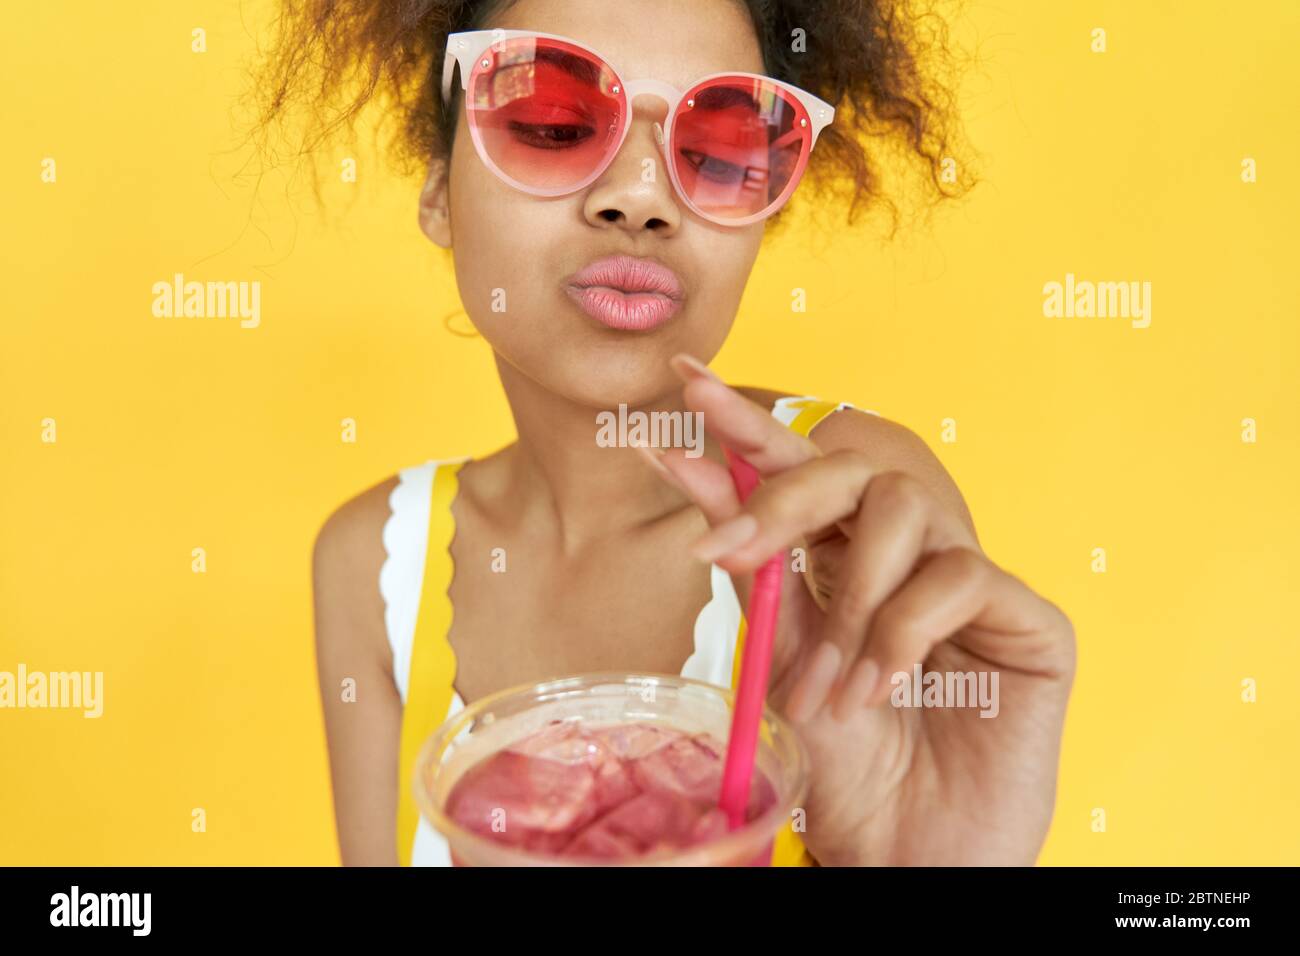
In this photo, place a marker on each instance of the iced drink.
(610, 769)
(603, 793)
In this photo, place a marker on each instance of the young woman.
(607, 171)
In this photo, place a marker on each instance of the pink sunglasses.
(548, 115)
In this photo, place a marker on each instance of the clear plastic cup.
(678, 703)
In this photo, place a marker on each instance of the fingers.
(786, 507)
(740, 424)
(949, 591)
(899, 521)
(957, 590)
(815, 684)
(911, 575)
(706, 482)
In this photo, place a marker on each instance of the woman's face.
(515, 253)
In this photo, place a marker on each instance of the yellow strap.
(433, 664)
(811, 413)
(788, 849)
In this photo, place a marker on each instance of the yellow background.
(1072, 434)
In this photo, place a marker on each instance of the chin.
(633, 381)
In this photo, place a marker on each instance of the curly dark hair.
(885, 65)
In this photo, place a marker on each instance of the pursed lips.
(626, 293)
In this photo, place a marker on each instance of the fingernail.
(880, 689)
(689, 368)
(815, 684)
(726, 537)
(857, 689)
(654, 457)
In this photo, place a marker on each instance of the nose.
(635, 193)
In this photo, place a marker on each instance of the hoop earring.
(463, 330)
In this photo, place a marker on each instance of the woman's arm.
(362, 728)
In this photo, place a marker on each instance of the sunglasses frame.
(465, 50)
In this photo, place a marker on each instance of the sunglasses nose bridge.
(659, 90)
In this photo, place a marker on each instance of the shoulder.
(353, 532)
(888, 446)
(347, 558)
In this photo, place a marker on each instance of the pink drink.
(602, 793)
(608, 769)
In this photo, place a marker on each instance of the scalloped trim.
(431, 696)
(405, 537)
(716, 628)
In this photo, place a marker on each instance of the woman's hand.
(894, 578)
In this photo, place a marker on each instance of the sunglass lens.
(545, 113)
(739, 145)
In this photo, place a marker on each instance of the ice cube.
(632, 741)
(692, 767)
(614, 783)
(682, 767)
(511, 793)
(652, 821)
(562, 742)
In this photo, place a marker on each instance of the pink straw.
(755, 665)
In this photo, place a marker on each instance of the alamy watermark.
(1098, 300)
(64, 690)
(76, 908)
(208, 300)
(946, 689)
(652, 429)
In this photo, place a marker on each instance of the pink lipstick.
(623, 292)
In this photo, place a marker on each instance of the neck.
(561, 477)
